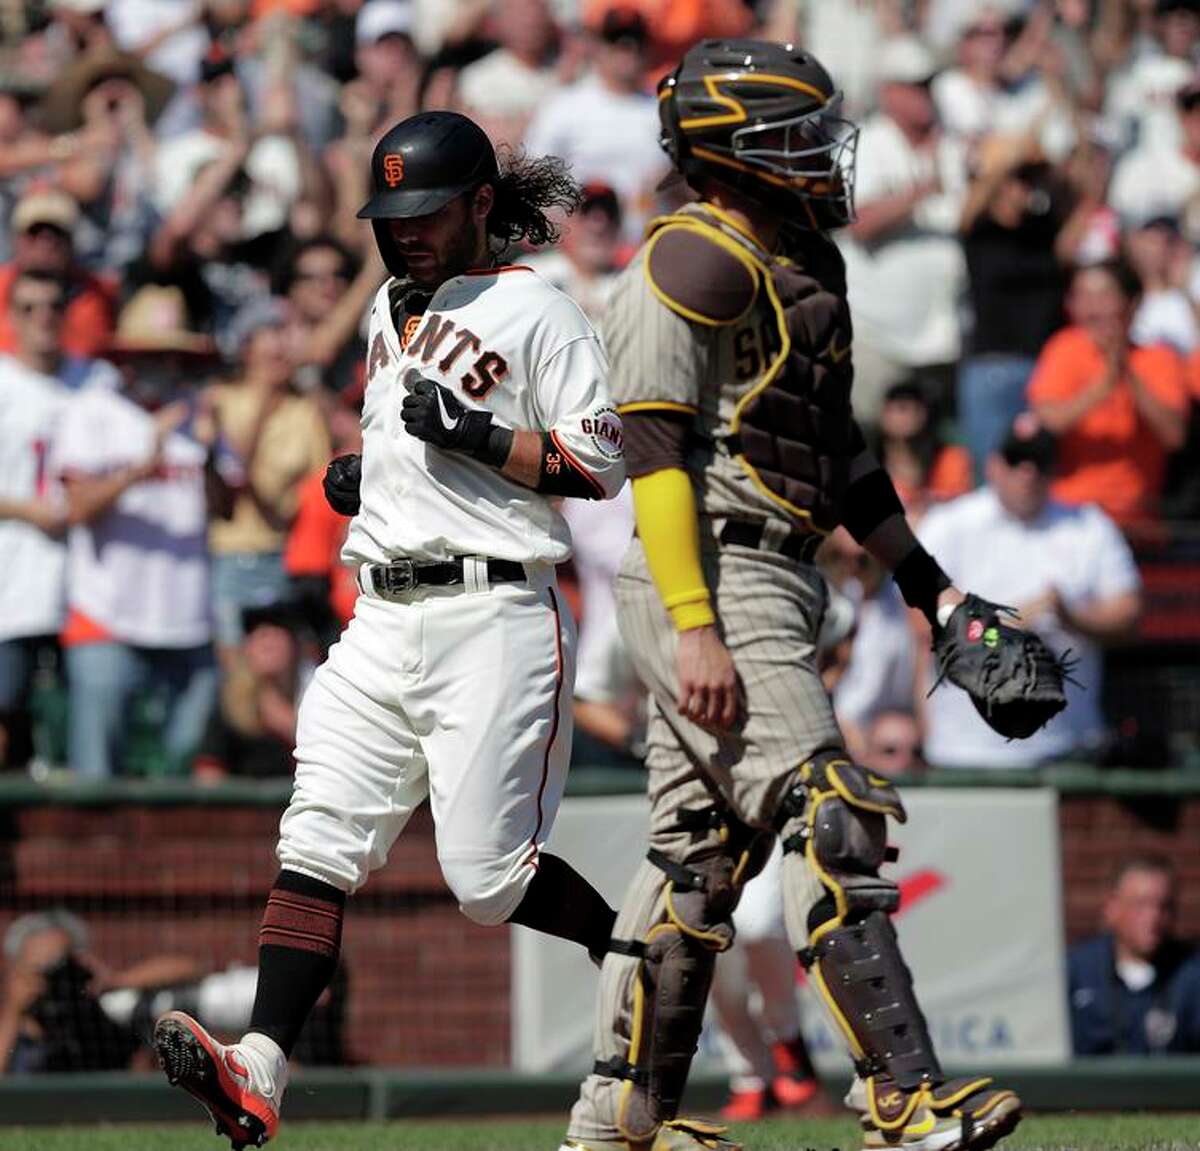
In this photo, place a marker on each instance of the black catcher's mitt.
(341, 482)
(1014, 680)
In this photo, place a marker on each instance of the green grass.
(1140, 1132)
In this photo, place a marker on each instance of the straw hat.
(42, 205)
(155, 322)
(62, 107)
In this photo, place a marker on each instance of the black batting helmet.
(764, 118)
(419, 166)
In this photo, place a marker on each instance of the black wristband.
(921, 581)
(496, 447)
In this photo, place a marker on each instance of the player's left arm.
(874, 516)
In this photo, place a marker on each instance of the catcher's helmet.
(764, 118)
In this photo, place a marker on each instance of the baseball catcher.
(730, 340)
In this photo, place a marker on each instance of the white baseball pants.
(460, 695)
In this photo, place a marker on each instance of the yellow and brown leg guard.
(691, 923)
(835, 816)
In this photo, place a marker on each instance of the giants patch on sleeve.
(603, 428)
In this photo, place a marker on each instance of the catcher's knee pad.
(836, 816)
(690, 923)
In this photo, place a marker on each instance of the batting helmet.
(764, 118)
(419, 166)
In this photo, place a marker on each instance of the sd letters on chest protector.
(792, 430)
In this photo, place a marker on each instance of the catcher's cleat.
(243, 1107)
(674, 1135)
(960, 1115)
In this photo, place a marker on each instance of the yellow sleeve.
(665, 507)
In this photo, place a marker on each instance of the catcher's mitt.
(341, 483)
(1014, 680)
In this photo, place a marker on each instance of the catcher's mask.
(764, 118)
(419, 166)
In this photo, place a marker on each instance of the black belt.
(798, 546)
(405, 575)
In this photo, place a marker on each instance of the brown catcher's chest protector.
(793, 431)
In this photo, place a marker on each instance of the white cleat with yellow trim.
(674, 1135)
(959, 1115)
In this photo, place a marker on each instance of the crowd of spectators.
(183, 285)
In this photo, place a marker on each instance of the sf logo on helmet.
(393, 168)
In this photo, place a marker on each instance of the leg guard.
(835, 816)
(694, 903)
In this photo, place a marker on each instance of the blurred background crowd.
(183, 289)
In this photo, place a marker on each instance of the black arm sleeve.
(560, 474)
(869, 501)
(655, 440)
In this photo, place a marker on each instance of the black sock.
(561, 902)
(298, 948)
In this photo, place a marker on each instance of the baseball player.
(730, 336)
(486, 398)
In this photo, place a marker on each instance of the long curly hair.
(526, 188)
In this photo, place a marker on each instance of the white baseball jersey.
(502, 340)
(31, 593)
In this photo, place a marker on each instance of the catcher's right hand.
(1014, 680)
(341, 482)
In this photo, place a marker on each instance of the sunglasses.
(28, 307)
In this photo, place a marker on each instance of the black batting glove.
(342, 479)
(434, 414)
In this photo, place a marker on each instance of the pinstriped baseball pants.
(769, 610)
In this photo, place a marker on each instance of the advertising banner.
(980, 924)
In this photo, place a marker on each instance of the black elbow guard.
(560, 474)
(869, 501)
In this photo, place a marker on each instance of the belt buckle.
(397, 577)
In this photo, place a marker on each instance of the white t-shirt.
(1152, 182)
(134, 23)
(972, 112)
(600, 532)
(1166, 317)
(500, 84)
(1141, 99)
(272, 166)
(31, 592)
(905, 287)
(880, 675)
(985, 550)
(505, 341)
(608, 136)
(141, 570)
(846, 38)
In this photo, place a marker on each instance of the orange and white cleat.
(746, 1105)
(237, 1085)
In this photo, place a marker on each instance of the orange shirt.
(315, 542)
(950, 475)
(1111, 456)
(88, 324)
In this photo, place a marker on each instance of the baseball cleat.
(219, 1078)
(746, 1106)
(962, 1115)
(674, 1135)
